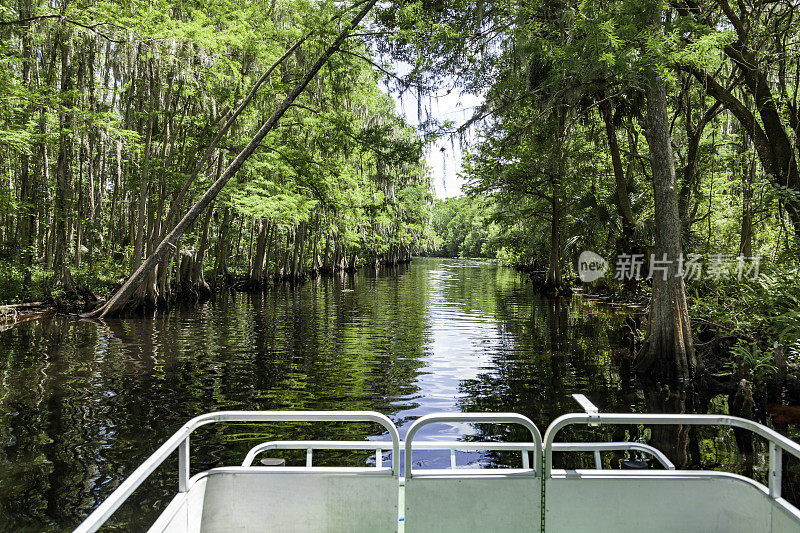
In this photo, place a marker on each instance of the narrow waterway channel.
(83, 403)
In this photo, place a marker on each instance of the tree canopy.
(116, 116)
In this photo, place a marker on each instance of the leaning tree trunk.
(176, 204)
(668, 352)
(121, 297)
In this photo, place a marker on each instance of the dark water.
(82, 404)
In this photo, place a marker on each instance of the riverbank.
(25, 293)
(746, 332)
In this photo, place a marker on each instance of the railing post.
(590, 408)
(775, 470)
(183, 465)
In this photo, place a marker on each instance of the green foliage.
(757, 362)
(108, 107)
(766, 307)
(762, 315)
(102, 278)
(463, 227)
(12, 286)
(17, 140)
(542, 141)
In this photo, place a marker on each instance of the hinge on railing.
(590, 408)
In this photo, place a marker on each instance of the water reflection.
(82, 404)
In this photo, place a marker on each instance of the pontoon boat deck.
(536, 497)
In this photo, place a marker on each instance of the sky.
(443, 156)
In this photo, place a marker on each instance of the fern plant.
(757, 361)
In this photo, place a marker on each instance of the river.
(83, 403)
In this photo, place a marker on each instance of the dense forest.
(117, 116)
(662, 137)
(562, 152)
(463, 227)
(637, 160)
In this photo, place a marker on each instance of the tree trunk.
(117, 185)
(285, 270)
(299, 248)
(236, 247)
(557, 164)
(198, 279)
(268, 253)
(748, 176)
(62, 273)
(138, 247)
(553, 279)
(314, 250)
(221, 263)
(276, 275)
(257, 267)
(668, 350)
(27, 187)
(326, 255)
(623, 200)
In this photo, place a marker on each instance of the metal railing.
(310, 445)
(380, 446)
(477, 418)
(597, 447)
(541, 448)
(777, 442)
(180, 441)
(452, 446)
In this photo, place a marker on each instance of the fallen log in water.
(13, 314)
